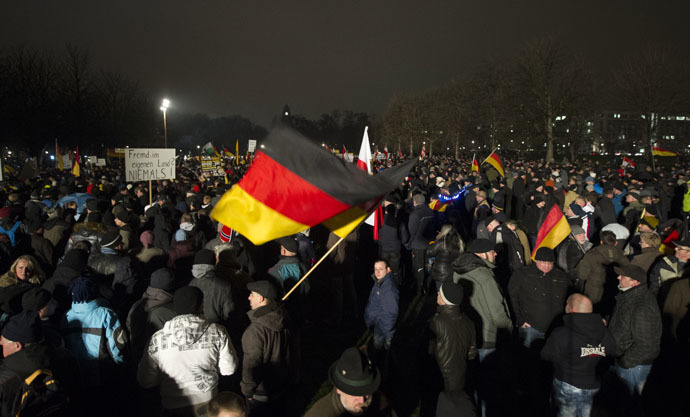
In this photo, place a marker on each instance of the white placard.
(251, 146)
(149, 164)
(92, 160)
(100, 162)
(66, 162)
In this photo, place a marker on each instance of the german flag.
(495, 162)
(659, 151)
(295, 184)
(552, 232)
(475, 164)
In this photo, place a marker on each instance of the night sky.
(252, 57)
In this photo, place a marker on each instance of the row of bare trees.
(44, 97)
(517, 105)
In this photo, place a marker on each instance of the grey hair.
(222, 248)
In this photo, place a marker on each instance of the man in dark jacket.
(270, 363)
(392, 234)
(454, 341)
(355, 389)
(111, 263)
(218, 302)
(381, 312)
(576, 349)
(418, 223)
(636, 327)
(149, 314)
(25, 352)
(286, 273)
(537, 292)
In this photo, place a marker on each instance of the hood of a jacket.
(589, 325)
(467, 262)
(186, 329)
(202, 270)
(156, 297)
(270, 316)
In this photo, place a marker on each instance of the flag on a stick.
(294, 184)
(659, 151)
(208, 149)
(58, 155)
(215, 150)
(628, 162)
(75, 167)
(227, 152)
(423, 154)
(552, 232)
(475, 164)
(495, 162)
(364, 159)
(237, 151)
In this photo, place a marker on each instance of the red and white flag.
(344, 152)
(364, 159)
(627, 161)
(385, 152)
(423, 155)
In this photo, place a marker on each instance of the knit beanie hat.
(545, 254)
(146, 238)
(84, 289)
(111, 239)
(205, 257)
(451, 293)
(75, 259)
(24, 327)
(162, 279)
(187, 300)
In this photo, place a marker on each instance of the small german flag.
(495, 162)
(475, 164)
(553, 231)
(295, 184)
(659, 151)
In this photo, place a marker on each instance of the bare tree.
(549, 80)
(654, 83)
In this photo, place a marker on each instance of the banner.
(100, 162)
(149, 164)
(212, 165)
(251, 145)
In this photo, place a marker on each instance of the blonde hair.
(34, 271)
(651, 238)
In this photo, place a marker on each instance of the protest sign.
(149, 164)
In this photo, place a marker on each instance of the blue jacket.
(94, 335)
(382, 309)
(618, 202)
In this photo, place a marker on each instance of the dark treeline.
(519, 105)
(336, 128)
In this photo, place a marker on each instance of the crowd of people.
(120, 299)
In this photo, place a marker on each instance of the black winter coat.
(419, 225)
(442, 270)
(636, 327)
(454, 344)
(537, 298)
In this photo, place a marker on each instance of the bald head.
(578, 303)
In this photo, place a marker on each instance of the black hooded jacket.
(577, 347)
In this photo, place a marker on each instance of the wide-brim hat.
(354, 374)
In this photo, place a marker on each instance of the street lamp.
(164, 109)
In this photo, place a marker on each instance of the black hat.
(451, 293)
(94, 217)
(122, 215)
(163, 279)
(632, 271)
(205, 257)
(545, 254)
(92, 204)
(35, 299)
(264, 288)
(685, 242)
(481, 246)
(634, 194)
(75, 259)
(289, 244)
(24, 327)
(111, 239)
(187, 300)
(354, 374)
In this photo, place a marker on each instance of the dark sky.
(224, 57)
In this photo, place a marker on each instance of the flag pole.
(653, 163)
(487, 158)
(313, 268)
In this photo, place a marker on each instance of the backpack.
(40, 395)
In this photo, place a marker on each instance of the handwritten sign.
(149, 164)
(251, 146)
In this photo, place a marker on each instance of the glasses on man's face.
(683, 248)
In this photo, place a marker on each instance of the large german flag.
(552, 232)
(295, 184)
